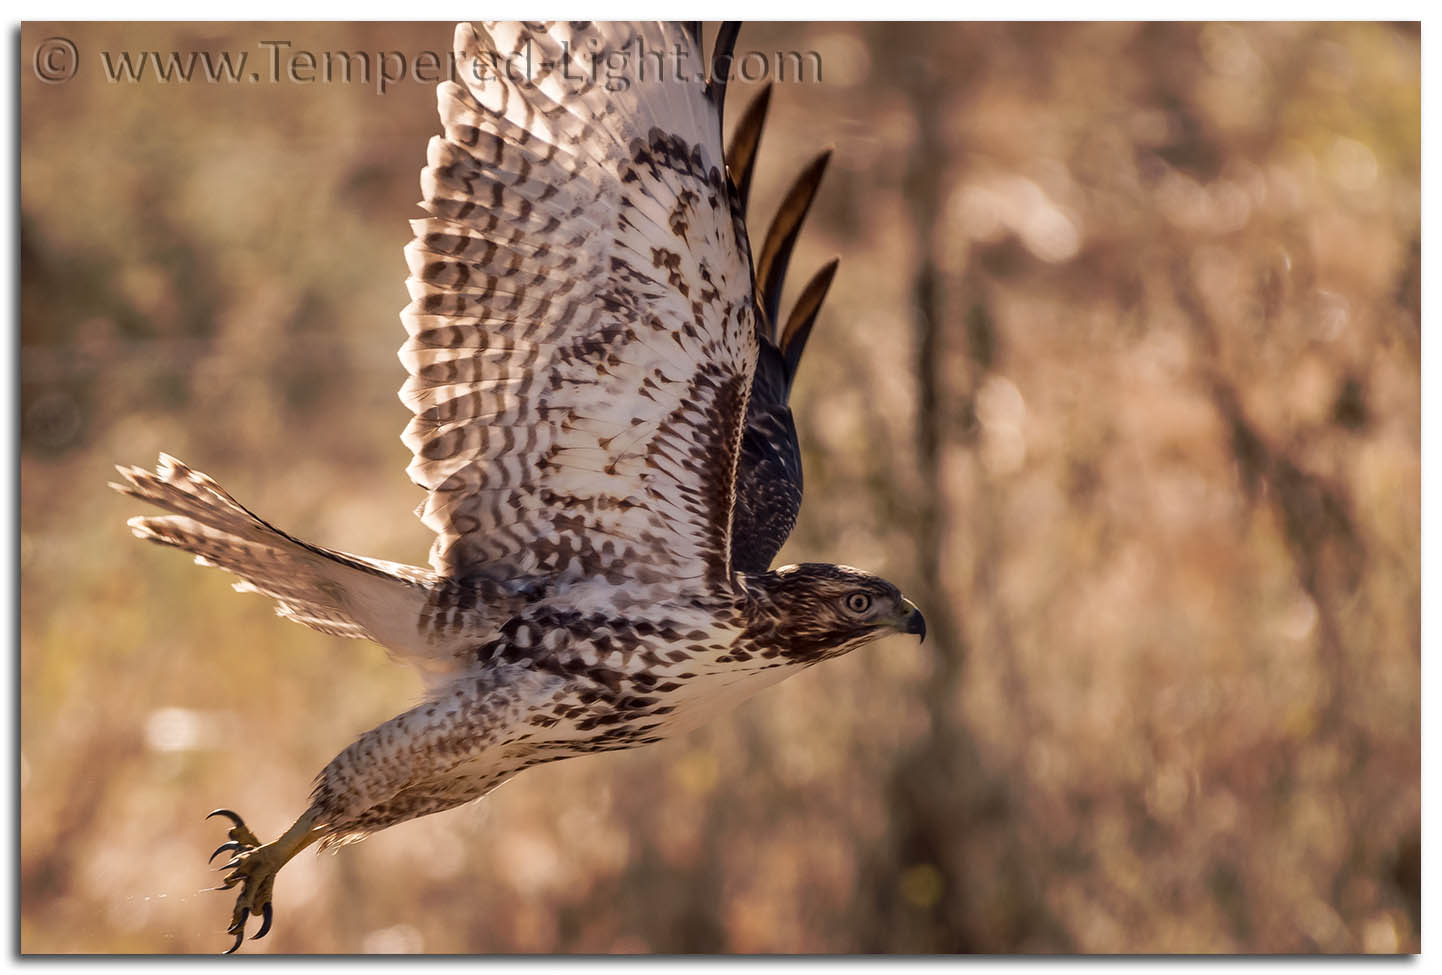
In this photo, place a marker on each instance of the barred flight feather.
(581, 325)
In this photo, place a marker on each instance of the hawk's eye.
(858, 602)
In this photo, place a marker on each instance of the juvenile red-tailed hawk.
(600, 393)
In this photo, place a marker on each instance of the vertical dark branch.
(930, 507)
(924, 192)
(922, 906)
(945, 805)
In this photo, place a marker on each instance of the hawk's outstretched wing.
(768, 477)
(582, 334)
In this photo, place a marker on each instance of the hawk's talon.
(266, 914)
(233, 845)
(254, 867)
(240, 832)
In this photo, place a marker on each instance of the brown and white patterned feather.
(581, 325)
(334, 592)
(583, 344)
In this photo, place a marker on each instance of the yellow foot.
(254, 870)
(254, 867)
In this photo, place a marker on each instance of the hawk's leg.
(461, 743)
(457, 746)
(255, 865)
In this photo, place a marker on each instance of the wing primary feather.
(720, 73)
(803, 316)
(741, 153)
(781, 238)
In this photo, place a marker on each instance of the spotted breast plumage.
(600, 383)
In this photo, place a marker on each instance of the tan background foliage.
(1119, 379)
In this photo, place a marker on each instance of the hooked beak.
(911, 620)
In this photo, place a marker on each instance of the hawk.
(599, 387)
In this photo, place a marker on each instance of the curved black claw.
(237, 846)
(266, 914)
(237, 929)
(252, 866)
(238, 832)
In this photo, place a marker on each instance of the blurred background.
(1119, 379)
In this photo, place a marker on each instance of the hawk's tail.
(329, 591)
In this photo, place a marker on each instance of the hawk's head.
(817, 610)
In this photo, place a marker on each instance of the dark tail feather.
(741, 153)
(776, 252)
(803, 316)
